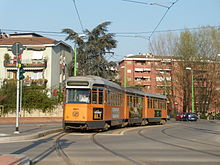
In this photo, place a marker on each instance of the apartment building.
(158, 74)
(45, 60)
(148, 71)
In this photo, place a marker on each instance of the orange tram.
(92, 102)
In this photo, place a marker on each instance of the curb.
(15, 159)
(214, 121)
(18, 159)
(29, 137)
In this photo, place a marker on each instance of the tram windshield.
(78, 96)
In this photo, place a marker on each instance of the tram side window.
(127, 100)
(130, 101)
(164, 105)
(112, 98)
(108, 97)
(100, 96)
(135, 101)
(159, 104)
(121, 100)
(150, 103)
(140, 102)
(116, 98)
(94, 96)
(155, 104)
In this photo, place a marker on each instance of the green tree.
(7, 58)
(34, 97)
(198, 50)
(8, 96)
(91, 51)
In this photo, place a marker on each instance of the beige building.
(45, 60)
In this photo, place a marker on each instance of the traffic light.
(21, 72)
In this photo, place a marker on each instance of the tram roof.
(101, 81)
(136, 91)
(95, 80)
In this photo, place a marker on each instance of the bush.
(203, 116)
(33, 97)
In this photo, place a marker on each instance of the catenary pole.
(193, 107)
(75, 61)
(125, 76)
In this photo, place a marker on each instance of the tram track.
(120, 155)
(60, 151)
(164, 131)
(140, 133)
(208, 131)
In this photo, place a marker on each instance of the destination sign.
(77, 83)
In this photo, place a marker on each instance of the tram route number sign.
(17, 48)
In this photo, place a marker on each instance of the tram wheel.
(144, 122)
(106, 127)
(162, 122)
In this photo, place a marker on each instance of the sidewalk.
(29, 128)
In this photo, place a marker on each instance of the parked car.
(189, 117)
(168, 117)
(179, 116)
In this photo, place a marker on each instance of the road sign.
(17, 48)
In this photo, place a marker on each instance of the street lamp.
(188, 68)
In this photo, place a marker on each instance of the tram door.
(97, 99)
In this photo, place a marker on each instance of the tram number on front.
(97, 114)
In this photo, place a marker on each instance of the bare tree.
(198, 50)
(165, 45)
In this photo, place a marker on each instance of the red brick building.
(155, 74)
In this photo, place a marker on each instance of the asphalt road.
(175, 143)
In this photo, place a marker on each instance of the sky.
(128, 19)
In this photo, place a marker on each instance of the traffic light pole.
(20, 99)
(18, 96)
(18, 48)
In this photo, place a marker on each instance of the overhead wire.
(162, 31)
(158, 4)
(162, 18)
(150, 44)
(145, 3)
(78, 15)
(118, 34)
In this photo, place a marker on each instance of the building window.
(159, 79)
(163, 79)
(37, 75)
(37, 55)
(129, 71)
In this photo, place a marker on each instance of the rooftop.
(26, 39)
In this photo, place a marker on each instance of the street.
(175, 143)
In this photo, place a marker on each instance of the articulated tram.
(92, 102)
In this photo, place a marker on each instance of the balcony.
(40, 63)
(29, 82)
(39, 82)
